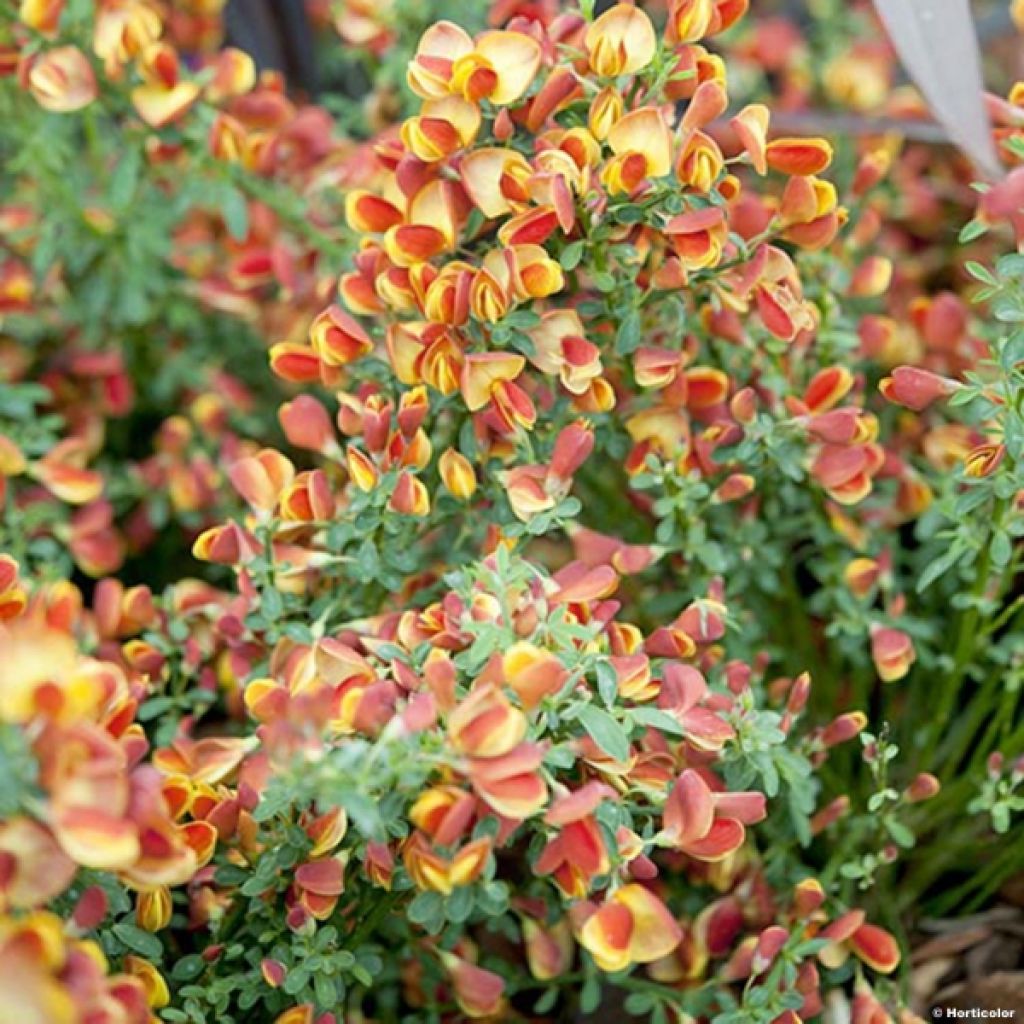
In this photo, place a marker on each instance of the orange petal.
(799, 156)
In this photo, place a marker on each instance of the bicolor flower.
(62, 80)
(620, 42)
(642, 148)
(631, 926)
(707, 825)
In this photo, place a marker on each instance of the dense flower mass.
(541, 541)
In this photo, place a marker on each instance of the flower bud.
(923, 787)
(843, 728)
(410, 496)
(769, 944)
(153, 909)
(915, 388)
(306, 424)
(830, 814)
(572, 447)
(457, 474)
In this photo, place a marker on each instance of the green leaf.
(325, 990)
(124, 179)
(235, 211)
(590, 995)
(546, 1001)
(272, 604)
(938, 568)
(138, 940)
(627, 340)
(972, 230)
(427, 910)
(607, 683)
(980, 273)
(605, 732)
(571, 255)
(657, 719)
(901, 835)
(188, 967)
(1001, 549)
(638, 1003)
(459, 905)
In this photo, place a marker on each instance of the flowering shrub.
(449, 575)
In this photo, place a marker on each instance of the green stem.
(969, 630)
(965, 731)
(996, 730)
(381, 908)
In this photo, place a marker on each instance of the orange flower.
(708, 826)
(12, 598)
(533, 673)
(370, 214)
(485, 724)
(479, 993)
(410, 496)
(495, 180)
(632, 926)
(443, 127)
(153, 909)
(337, 338)
(699, 162)
(261, 479)
(319, 884)
(606, 108)
(165, 96)
(861, 574)
(827, 388)
(457, 474)
(751, 128)
(799, 156)
(698, 237)
(41, 15)
(433, 873)
(157, 993)
(874, 945)
(642, 145)
(296, 1015)
(548, 948)
(892, 652)
(526, 487)
(846, 472)
(620, 42)
(47, 978)
(234, 75)
(293, 362)
(510, 783)
(561, 349)
(482, 373)
(809, 212)
(983, 460)
(62, 80)
(916, 388)
(690, 20)
(37, 869)
(497, 66)
(122, 32)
